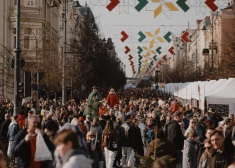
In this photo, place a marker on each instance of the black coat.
(175, 134)
(22, 149)
(126, 135)
(137, 143)
(4, 130)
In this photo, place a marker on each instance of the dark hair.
(178, 114)
(109, 128)
(220, 133)
(65, 136)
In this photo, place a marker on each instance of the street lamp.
(53, 4)
(212, 44)
(17, 63)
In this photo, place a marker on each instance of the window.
(31, 38)
(30, 3)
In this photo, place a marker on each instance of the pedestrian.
(24, 145)
(12, 131)
(67, 145)
(203, 163)
(175, 135)
(190, 152)
(110, 143)
(112, 99)
(224, 152)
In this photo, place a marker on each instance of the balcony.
(205, 51)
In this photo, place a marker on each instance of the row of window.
(28, 3)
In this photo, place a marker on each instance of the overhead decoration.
(127, 50)
(171, 50)
(140, 50)
(167, 37)
(124, 36)
(211, 4)
(182, 4)
(185, 36)
(112, 4)
(149, 51)
(154, 36)
(141, 5)
(142, 36)
(155, 58)
(130, 57)
(159, 9)
(158, 50)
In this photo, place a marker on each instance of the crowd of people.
(130, 128)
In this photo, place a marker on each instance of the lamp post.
(17, 66)
(212, 45)
(65, 4)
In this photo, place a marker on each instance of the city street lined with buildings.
(125, 84)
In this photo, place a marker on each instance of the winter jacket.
(224, 159)
(4, 130)
(189, 154)
(13, 130)
(137, 144)
(175, 134)
(98, 132)
(125, 135)
(22, 149)
(203, 163)
(112, 100)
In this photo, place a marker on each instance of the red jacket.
(112, 100)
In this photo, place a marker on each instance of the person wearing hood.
(93, 102)
(12, 131)
(189, 151)
(67, 146)
(112, 98)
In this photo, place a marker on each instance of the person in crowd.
(67, 145)
(97, 129)
(137, 143)
(174, 107)
(82, 125)
(223, 154)
(160, 146)
(112, 99)
(203, 163)
(202, 129)
(93, 102)
(121, 113)
(10, 110)
(91, 144)
(12, 131)
(126, 139)
(88, 123)
(182, 127)
(175, 135)
(24, 145)
(189, 152)
(228, 129)
(21, 119)
(4, 129)
(110, 143)
(191, 128)
(186, 121)
(112, 115)
(149, 130)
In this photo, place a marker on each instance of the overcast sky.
(126, 18)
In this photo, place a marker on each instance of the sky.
(125, 17)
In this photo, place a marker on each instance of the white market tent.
(224, 95)
(220, 93)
